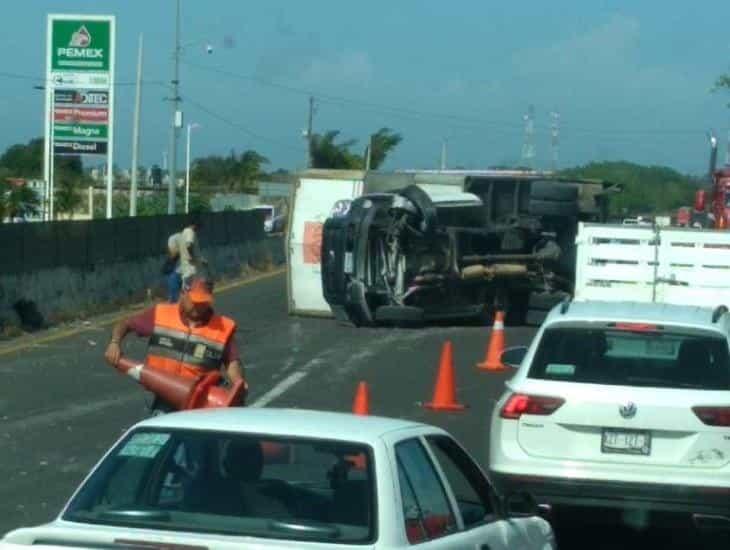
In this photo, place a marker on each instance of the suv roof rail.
(565, 305)
(719, 312)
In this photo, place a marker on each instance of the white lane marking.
(69, 413)
(280, 389)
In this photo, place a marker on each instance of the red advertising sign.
(75, 114)
(312, 246)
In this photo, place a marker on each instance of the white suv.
(621, 405)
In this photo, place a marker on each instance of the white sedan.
(289, 478)
(621, 405)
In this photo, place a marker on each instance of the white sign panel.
(313, 202)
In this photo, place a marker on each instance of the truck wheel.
(553, 191)
(541, 207)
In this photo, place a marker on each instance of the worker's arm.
(142, 325)
(234, 371)
(114, 349)
(232, 361)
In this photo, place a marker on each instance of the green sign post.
(79, 93)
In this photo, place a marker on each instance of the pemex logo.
(79, 54)
(81, 38)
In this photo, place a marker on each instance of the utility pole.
(555, 138)
(369, 154)
(309, 136)
(443, 154)
(135, 133)
(528, 145)
(191, 127)
(176, 116)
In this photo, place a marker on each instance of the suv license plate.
(630, 442)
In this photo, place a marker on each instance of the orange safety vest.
(176, 348)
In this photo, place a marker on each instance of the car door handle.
(485, 547)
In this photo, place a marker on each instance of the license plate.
(630, 442)
(349, 266)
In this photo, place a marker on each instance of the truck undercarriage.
(412, 255)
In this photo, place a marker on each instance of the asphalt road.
(61, 406)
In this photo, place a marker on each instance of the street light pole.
(176, 122)
(135, 133)
(191, 127)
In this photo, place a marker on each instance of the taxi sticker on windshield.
(560, 369)
(144, 445)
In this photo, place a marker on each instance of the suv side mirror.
(512, 357)
(520, 505)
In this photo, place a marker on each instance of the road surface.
(62, 406)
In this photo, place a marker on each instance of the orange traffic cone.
(444, 394)
(173, 390)
(183, 393)
(493, 360)
(361, 405)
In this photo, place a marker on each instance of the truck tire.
(541, 207)
(553, 191)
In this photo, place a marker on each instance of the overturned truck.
(421, 246)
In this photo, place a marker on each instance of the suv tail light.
(713, 416)
(520, 403)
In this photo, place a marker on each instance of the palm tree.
(328, 154)
(18, 201)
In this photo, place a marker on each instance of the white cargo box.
(653, 264)
(311, 206)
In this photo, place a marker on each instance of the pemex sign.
(80, 52)
(81, 45)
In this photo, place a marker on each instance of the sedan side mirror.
(520, 505)
(512, 357)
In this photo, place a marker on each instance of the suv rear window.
(638, 355)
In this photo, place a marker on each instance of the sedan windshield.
(633, 355)
(232, 484)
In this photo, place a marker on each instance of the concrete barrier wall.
(65, 292)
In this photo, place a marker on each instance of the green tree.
(68, 196)
(17, 200)
(24, 160)
(249, 170)
(383, 142)
(327, 153)
(233, 172)
(647, 189)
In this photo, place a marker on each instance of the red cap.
(200, 292)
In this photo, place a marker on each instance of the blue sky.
(631, 80)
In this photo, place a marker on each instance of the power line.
(329, 98)
(226, 120)
(31, 78)
(405, 111)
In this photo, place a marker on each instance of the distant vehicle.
(268, 478)
(716, 214)
(636, 221)
(273, 221)
(620, 405)
(421, 246)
